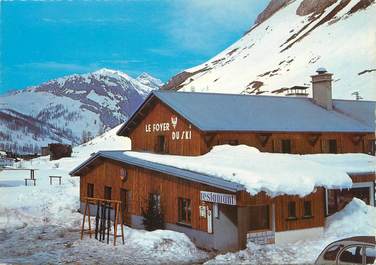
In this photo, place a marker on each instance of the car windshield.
(370, 255)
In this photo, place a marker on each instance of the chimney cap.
(321, 70)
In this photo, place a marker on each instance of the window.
(286, 146)
(259, 216)
(160, 145)
(307, 211)
(107, 192)
(351, 255)
(332, 146)
(370, 255)
(90, 190)
(125, 198)
(184, 210)
(156, 198)
(371, 147)
(291, 210)
(332, 252)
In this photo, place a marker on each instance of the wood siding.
(142, 182)
(282, 223)
(201, 142)
(301, 143)
(363, 178)
(187, 140)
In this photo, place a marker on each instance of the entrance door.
(124, 194)
(209, 217)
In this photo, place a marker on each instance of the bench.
(33, 179)
(55, 177)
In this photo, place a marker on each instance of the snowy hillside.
(76, 104)
(18, 128)
(293, 39)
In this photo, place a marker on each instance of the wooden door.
(124, 195)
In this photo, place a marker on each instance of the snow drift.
(355, 219)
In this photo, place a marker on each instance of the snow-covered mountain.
(74, 106)
(288, 42)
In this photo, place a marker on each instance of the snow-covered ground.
(40, 224)
(355, 219)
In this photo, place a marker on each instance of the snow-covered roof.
(123, 157)
(235, 168)
(232, 112)
(364, 111)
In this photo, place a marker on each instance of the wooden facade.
(141, 183)
(186, 139)
(159, 129)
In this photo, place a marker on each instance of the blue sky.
(42, 40)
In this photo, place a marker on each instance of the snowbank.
(355, 219)
(257, 171)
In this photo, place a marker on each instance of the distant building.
(57, 151)
(5, 161)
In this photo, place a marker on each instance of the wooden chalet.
(219, 214)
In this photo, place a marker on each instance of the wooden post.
(88, 216)
(116, 222)
(122, 223)
(117, 210)
(83, 221)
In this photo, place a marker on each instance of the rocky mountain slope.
(74, 106)
(287, 43)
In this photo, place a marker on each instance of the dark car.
(352, 250)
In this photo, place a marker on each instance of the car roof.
(360, 239)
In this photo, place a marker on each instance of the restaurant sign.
(218, 197)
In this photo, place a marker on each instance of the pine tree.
(153, 217)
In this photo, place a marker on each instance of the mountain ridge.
(287, 44)
(79, 104)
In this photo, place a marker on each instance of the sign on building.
(218, 197)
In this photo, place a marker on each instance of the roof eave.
(120, 132)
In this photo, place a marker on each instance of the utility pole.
(357, 95)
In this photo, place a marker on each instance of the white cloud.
(198, 25)
(51, 65)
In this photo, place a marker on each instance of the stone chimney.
(322, 88)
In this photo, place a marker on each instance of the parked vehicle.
(352, 250)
